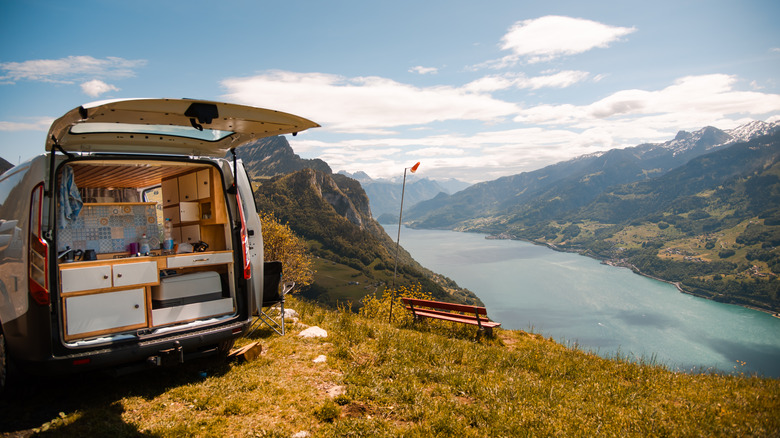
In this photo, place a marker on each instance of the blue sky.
(473, 90)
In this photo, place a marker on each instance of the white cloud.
(68, 70)
(95, 88)
(363, 104)
(691, 100)
(438, 151)
(550, 37)
(423, 70)
(39, 124)
(561, 79)
(546, 134)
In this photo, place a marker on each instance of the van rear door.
(254, 233)
(168, 126)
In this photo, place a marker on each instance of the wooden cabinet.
(204, 183)
(106, 297)
(200, 259)
(170, 191)
(172, 213)
(105, 312)
(106, 276)
(190, 233)
(87, 278)
(188, 187)
(199, 213)
(129, 274)
(189, 212)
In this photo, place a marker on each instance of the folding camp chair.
(273, 296)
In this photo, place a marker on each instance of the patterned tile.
(109, 228)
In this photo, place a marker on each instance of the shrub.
(726, 253)
(281, 243)
(379, 307)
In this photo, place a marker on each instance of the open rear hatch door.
(168, 126)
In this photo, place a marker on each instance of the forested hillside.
(712, 225)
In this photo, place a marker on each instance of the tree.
(280, 243)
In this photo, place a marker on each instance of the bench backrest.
(445, 306)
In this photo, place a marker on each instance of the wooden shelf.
(96, 204)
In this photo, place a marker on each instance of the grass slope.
(401, 380)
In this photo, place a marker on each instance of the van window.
(178, 131)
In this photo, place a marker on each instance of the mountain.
(712, 226)
(332, 213)
(701, 211)
(563, 187)
(273, 156)
(385, 195)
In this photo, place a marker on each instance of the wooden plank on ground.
(247, 353)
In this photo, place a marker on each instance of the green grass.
(343, 283)
(405, 379)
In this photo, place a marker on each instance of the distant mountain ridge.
(385, 194)
(559, 188)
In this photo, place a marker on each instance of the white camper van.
(133, 241)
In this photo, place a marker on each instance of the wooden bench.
(473, 315)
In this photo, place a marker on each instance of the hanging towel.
(69, 198)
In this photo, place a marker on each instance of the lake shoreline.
(634, 269)
(620, 264)
(609, 311)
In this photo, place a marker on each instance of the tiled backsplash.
(110, 227)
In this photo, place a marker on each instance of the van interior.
(117, 276)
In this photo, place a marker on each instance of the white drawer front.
(192, 311)
(93, 277)
(103, 311)
(136, 273)
(200, 259)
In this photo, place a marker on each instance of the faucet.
(64, 252)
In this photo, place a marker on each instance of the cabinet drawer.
(105, 311)
(199, 259)
(88, 278)
(129, 274)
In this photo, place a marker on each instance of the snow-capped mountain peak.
(751, 130)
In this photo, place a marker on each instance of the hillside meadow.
(408, 379)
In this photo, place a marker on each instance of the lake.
(608, 310)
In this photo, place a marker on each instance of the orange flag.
(414, 168)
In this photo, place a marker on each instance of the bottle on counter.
(167, 235)
(143, 245)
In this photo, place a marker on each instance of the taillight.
(244, 238)
(38, 258)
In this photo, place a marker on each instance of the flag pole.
(398, 239)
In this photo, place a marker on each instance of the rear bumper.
(174, 348)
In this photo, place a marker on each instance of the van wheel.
(225, 347)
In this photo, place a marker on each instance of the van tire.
(225, 347)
